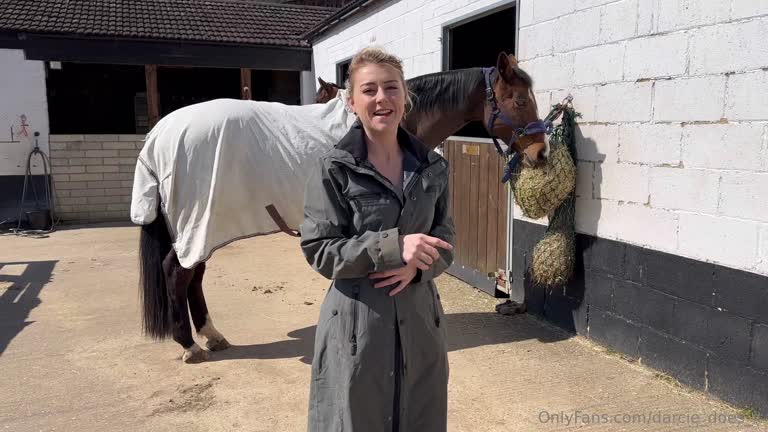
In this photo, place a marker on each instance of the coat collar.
(353, 143)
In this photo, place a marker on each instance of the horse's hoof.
(218, 345)
(194, 356)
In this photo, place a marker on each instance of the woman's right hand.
(420, 250)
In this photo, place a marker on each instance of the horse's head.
(326, 92)
(511, 113)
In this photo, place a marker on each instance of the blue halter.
(533, 128)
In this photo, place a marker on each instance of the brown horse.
(443, 103)
(326, 92)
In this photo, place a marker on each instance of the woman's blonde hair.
(374, 55)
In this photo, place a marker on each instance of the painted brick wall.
(673, 142)
(93, 175)
(410, 28)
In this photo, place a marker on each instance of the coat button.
(391, 373)
(385, 235)
(402, 322)
(429, 174)
(413, 197)
(335, 312)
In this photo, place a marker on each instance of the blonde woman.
(377, 223)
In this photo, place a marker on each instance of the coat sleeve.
(442, 228)
(325, 242)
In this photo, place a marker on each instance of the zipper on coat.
(353, 336)
(434, 305)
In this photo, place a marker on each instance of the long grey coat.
(379, 362)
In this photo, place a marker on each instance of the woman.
(377, 223)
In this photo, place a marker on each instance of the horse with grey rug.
(209, 171)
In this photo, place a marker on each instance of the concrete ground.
(72, 357)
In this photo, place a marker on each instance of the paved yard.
(73, 358)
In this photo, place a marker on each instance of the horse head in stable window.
(501, 97)
(326, 92)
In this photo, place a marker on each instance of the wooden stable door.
(479, 209)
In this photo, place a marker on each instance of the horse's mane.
(450, 90)
(444, 91)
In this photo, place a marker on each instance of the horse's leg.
(177, 280)
(200, 316)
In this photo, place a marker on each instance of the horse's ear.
(321, 82)
(506, 65)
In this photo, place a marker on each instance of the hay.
(553, 258)
(539, 191)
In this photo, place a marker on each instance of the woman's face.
(378, 98)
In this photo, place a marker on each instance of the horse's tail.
(155, 243)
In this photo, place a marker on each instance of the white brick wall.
(93, 175)
(673, 139)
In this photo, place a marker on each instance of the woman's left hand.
(401, 276)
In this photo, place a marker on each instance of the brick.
(614, 332)
(655, 144)
(127, 168)
(62, 193)
(72, 201)
(124, 145)
(683, 361)
(102, 169)
(684, 189)
(633, 222)
(744, 195)
(68, 170)
(101, 153)
(725, 241)
(118, 176)
(72, 185)
(748, 8)
(60, 178)
(57, 146)
(656, 56)
(551, 72)
(635, 262)
(643, 305)
(536, 41)
(618, 21)
(126, 199)
(104, 200)
(598, 143)
(129, 153)
(120, 161)
(680, 277)
(577, 30)
(734, 383)
(624, 102)
(83, 146)
(58, 161)
(588, 214)
(722, 146)
(85, 177)
(622, 182)
(105, 184)
(745, 99)
(742, 293)
(584, 101)
(131, 137)
(763, 250)
(759, 358)
(647, 14)
(93, 207)
(584, 175)
(544, 10)
(543, 102)
(680, 99)
(679, 14)
(66, 138)
(68, 154)
(127, 183)
(721, 49)
(118, 207)
(598, 290)
(728, 336)
(101, 138)
(86, 161)
(606, 256)
(560, 309)
(598, 64)
(87, 192)
(118, 191)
